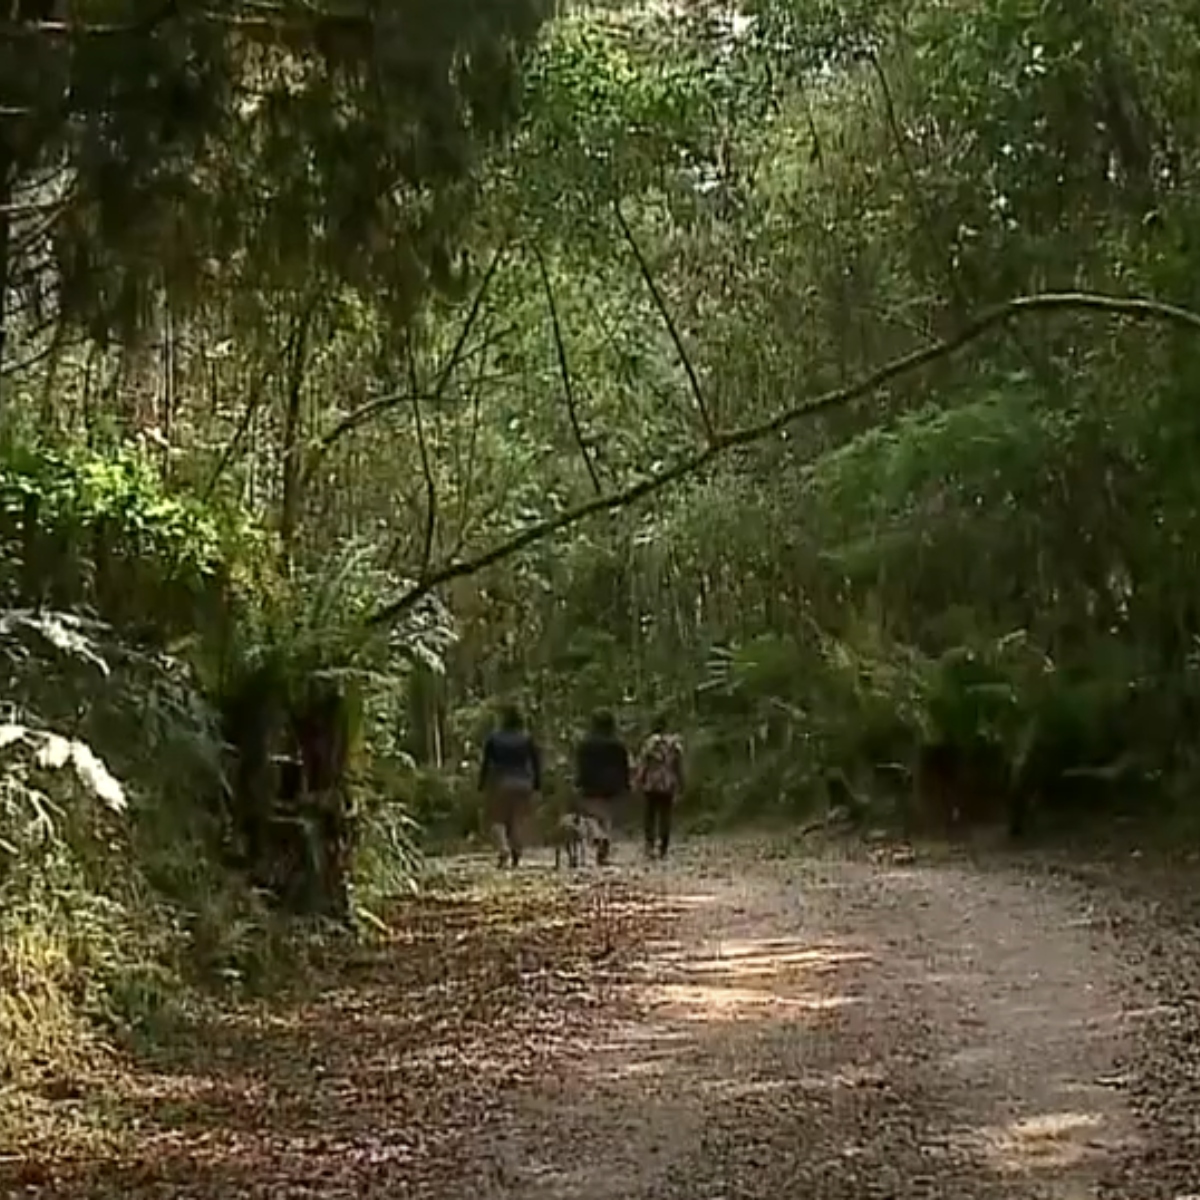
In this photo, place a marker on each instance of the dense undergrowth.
(129, 898)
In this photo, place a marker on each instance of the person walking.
(602, 777)
(659, 778)
(509, 774)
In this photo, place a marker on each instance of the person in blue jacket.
(510, 773)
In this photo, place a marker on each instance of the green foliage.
(54, 791)
(999, 554)
(80, 527)
(87, 907)
(329, 139)
(617, 104)
(996, 555)
(314, 629)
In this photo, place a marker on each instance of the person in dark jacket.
(509, 775)
(602, 777)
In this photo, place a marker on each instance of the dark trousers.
(658, 806)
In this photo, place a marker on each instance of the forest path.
(828, 1029)
(735, 1024)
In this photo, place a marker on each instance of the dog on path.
(572, 835)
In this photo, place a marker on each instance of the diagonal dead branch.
(990, 319)
(672, 329)
(565, 371)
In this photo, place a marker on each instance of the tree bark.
(289, 516)
(6, 195)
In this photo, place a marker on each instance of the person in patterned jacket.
(659, 777)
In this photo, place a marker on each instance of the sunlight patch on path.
(701, 1002)
(1049, 1143)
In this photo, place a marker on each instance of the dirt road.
(724, 1027)
(843, 1029)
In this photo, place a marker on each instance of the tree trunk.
(6, 196)
(292, 450)
(322, 731)
(423, 694)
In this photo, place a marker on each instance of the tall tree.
(147, 145)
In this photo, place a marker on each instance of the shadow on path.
(727, 1028)
(837, 1030)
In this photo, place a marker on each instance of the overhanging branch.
(684, 468)
(431, 495)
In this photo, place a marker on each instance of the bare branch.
(253, 404)
(466, 491)
(565, 371)
(373, 408)
(465, 480)
(690, 465)
(12, 30)
(55, 345)
(29, 208)
(668, 320)
(52, 210)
